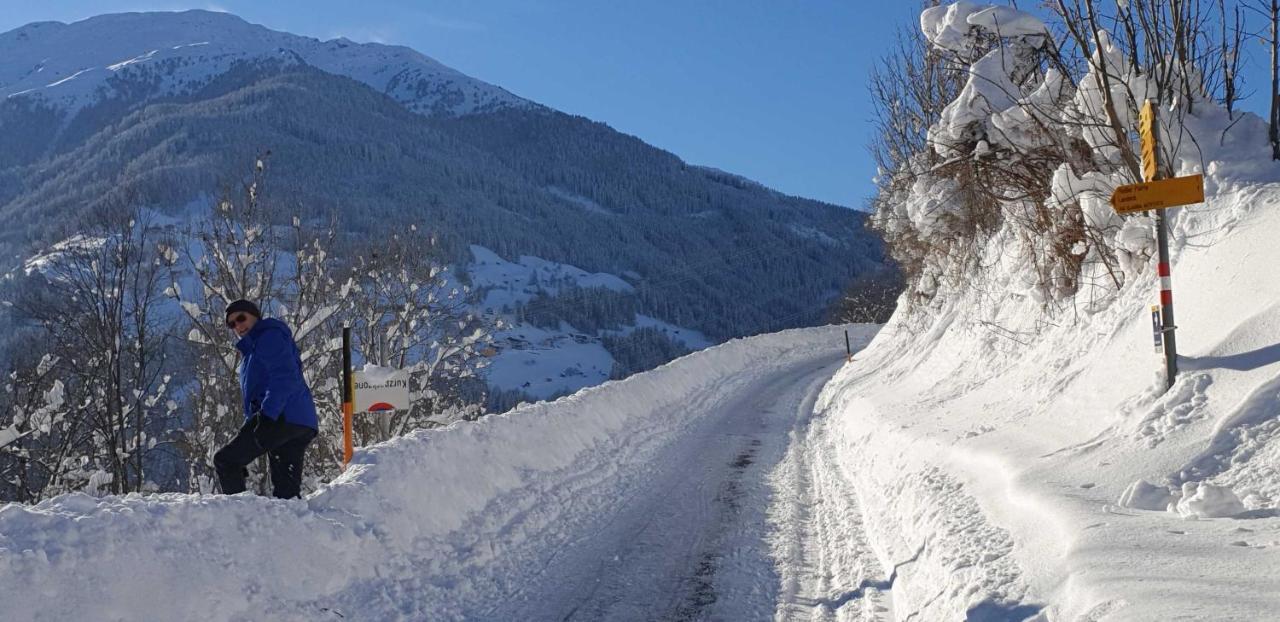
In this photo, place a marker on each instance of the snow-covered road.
(695, 491)
(696, 541)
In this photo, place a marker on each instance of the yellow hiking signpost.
(1158, 194)
(1147, 132)
(1152, 193)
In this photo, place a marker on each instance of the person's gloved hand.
(262, 428)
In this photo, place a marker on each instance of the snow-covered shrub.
(408, 312)
(1003, 143)
(86, 404)
(404, 310)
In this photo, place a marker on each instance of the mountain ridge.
(705, 249)
(70, 65)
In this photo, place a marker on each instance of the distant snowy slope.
(544, 362)
(70, 66)
(443, 524)
(506, 283)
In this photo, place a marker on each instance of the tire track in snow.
(693, 541)
(829, 570)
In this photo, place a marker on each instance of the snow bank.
(1143, 495)
(1208, 501)
(1036, 462)
(436, 525)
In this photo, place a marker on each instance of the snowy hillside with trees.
(564, 328)
(1013, 407)
(379, 138)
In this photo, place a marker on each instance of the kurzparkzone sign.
(379, 389)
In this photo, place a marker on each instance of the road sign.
(1146, 130)
(1157, 328)
(1158, 194)
(379, 389)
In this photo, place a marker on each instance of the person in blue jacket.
(279, 414)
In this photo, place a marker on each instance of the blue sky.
(771, 90)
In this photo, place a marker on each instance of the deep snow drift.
(455, 523)
(1038, 460)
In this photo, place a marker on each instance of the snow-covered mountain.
(164, 109)
(167, 109)
(70, 66)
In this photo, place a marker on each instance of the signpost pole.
(1166, 303)
(848, 350)
(1152, 150)
(348, 397)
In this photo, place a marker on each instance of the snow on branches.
(1017, 137)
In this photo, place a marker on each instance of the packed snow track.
(694, 540)
(692, 492)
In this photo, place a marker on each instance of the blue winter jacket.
(271, 375)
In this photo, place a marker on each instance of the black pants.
(285, 445)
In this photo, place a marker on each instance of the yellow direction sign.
(1147, 131)
(1158, 194)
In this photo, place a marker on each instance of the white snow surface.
(1035, 465)
(509, 282)
(614, 502)
(70, 66)
(951, 26)
(546, 363)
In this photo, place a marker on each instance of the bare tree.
(1269, 10)
(39, 440)
(410, 313)
(1231, 36)
(292, 272)
(869, 298)
(98, 301)
(1028, 127)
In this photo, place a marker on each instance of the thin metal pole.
(1166, 302)
(848, 351)
(348, 398)
(1166, 281)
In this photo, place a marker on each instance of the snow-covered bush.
(408, 312)
(86, 405)
(1001, 142)
(404, 310)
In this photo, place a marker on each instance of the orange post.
(348, 397)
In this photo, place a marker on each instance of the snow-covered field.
(672, 470)
(545, 363)
(1005, 451)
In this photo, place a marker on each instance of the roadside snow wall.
(434, 525)
(1020, 459)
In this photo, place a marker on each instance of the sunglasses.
(237, 320)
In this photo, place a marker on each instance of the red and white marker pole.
(1162, 238)
(1166, 302)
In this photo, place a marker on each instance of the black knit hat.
(246, 306)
